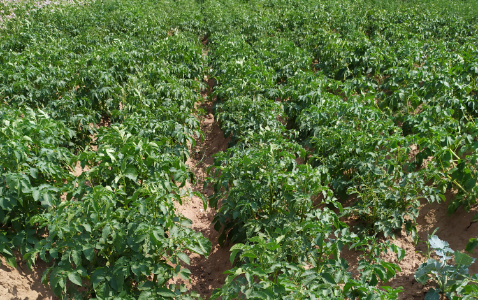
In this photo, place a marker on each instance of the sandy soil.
(207, 274)
(23, 284)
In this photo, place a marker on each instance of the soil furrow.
(207, 274)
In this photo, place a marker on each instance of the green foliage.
(367, 103)
(263, 182)
(119, 246)
(111, 92)
(453, 279)
(302, 261)
(380, 101)
(240, 116)
(35, 162)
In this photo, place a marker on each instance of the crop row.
(97, 107)
(335, 112)
(338, 113)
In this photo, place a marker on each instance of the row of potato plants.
(97, 113)
(276, 205)
(418, 67)
(329, 105)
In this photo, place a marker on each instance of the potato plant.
(351, 110)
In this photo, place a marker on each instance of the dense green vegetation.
(336, 110)
(114, 228)
(350, 89)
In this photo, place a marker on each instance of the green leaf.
(328, 277)
(34, 172)
(249, 277)
(472, 243)
(462, 259)
(139, 269)
(233, 255)
(421, 275)
(76, 256)
(158, 234)
(432, 294)
(469, 184)
(167, 185)
(374, 279)
(400, 253)
(184, 257)
(145, 285)
(89, 252)
(47, 200)
(475, 218)
(58, 280)
(53, 252)
(35, 194)
(202, 247)
(186, 222)
(75, 278)
(185, 274)
(165, 293)
(145, 295)
(436, 243)
(98, 276)
(10, 260)
(131, 173)
(87, 227)
(44, 277)
(249, 255)
(117, 281)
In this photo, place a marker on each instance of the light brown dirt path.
(207, 274)
(22, 284)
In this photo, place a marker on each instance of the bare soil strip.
(207, 274)
(21, 283)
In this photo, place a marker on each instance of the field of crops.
(351, 137)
